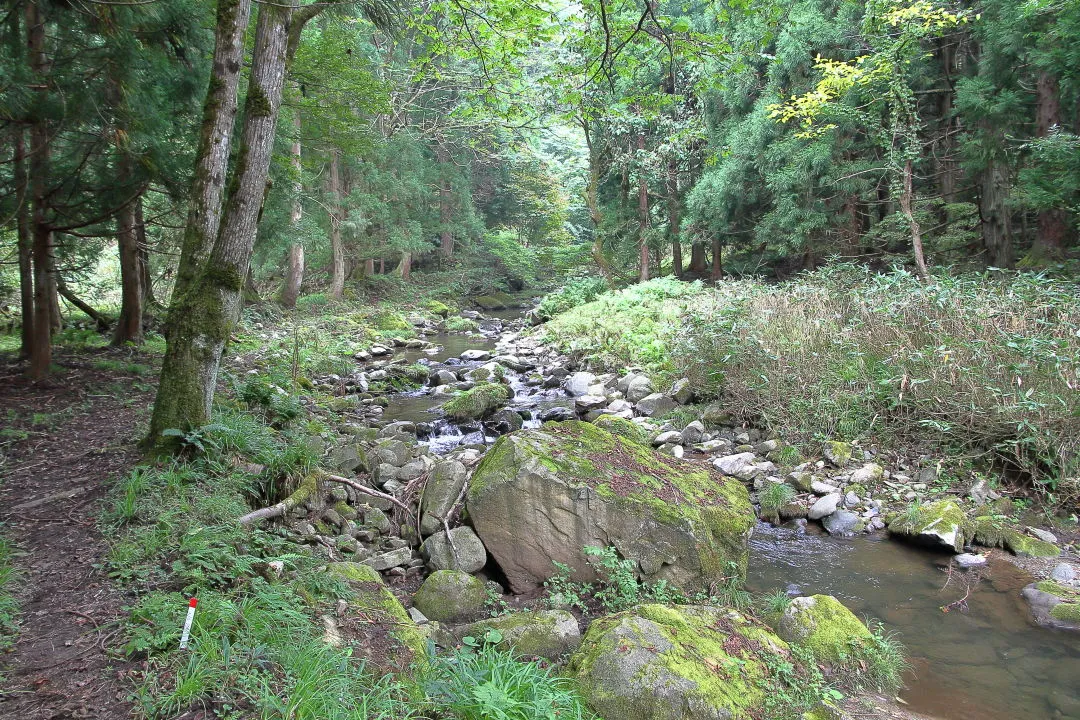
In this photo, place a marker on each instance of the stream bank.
(995, 661)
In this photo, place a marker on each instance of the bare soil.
(80, 431)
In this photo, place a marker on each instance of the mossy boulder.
(838, 453)
(477, 403)
(540, 496)
(623, 428)
(656, 662)
(549, 634)
(1054, 605)
(386, 636)
(823, 625)
(940, 524)
(435, 307)
(451, 596)
(994, 532)
(489, 302)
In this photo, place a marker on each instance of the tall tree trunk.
(907, 200)
(404, 268)
(26, 266)
(147, 284)
(643, 214)
(674, 207)
(995, 226)
(1053, 225)
(697, 257)
(369, 266)
(717, 258)
(294, 269)
(129, 326)
(592, 202)
(40, 232)
(337, 252)
(215, 141)
(202, 318)
(446, 210)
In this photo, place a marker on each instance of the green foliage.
(513, 260)
(9, 604)
(774, 496)
(574, 293)
(480, 682)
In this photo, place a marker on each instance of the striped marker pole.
(187, 623)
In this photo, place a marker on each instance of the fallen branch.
(308, 487)
(363, 489)
(64, 292)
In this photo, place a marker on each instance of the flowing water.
(985, 662)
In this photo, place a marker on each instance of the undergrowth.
(9, 604)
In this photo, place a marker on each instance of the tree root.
(308, 487)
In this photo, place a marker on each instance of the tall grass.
(986, 364)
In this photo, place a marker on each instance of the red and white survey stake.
(187, 623)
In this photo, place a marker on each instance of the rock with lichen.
(822, 624)
(1054, 604)
(549, 634)
(451, 596)
(939, 524)
(478, 402)
(655, 662)
(540, 496)
(994, 532)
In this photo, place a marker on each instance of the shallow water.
(986, 663)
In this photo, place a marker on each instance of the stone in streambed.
(655, 405)
(940, 524)
(540, 496)
(829, 630)
(383, 614)
(824, 507)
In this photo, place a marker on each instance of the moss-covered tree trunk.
(215, 142)
(201, 319)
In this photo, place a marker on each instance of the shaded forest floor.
(64, 440)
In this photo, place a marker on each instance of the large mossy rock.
(1054, 605)
(478, 402)
(939, 524)
(540, 496)
(822, 624)
(385, 636)
(657, 662)
(994, 532)
(451, 596)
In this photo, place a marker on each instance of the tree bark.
(643, 214)
(40, 232)
(215, 142)
(404, 268)
(294, 270)
(674, 207)
(717, 259)
(149, 301)
(26, 266)
(129, 328)
(907, 197)
(1049, 243)
(98, 318)
(592, 189)
(995, 226)
(697, 258)
(202, 318)
(337, 252)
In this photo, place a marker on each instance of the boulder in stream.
(478, 402)
(540, 496)
(822, 624)
(940, 524)
(1054, 604)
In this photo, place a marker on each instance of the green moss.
(942, 517)
(824, 626)
(436, 307)
(378, 605)
(258, 104)
(478, 402)
(1069, 612)
(1056, 589)
(622, 427)
(839, 453)
(345, 510)
(451, 596)
(489, 302)
(992, 531)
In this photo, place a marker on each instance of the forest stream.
(985, 660)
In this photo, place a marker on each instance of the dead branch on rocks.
(308, 487)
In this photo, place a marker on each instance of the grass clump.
(773, 497)
(9, 604)
(460, 324)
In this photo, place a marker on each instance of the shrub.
(571, 295)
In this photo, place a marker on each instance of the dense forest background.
(468, 146)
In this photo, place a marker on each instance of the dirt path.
(81, 429)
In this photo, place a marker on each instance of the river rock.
(671, 436)
(1063, 573)
(460, 550)
(692, 433)
(992, 532)
(656, 662)
(741, 465)
(442, 377)
(475, 355)
(556, 413)
(822, 624)
(824, 507)
(451, 596)
(837, 453)
(868, 474)
(940, 524)
(442, 488)
(1053, 604)
(638, 388)
(401, 429)
(969, 560)
(843, 523)
(540, 496)
(387, 560)
(655, 405)
(549, 634)
(585, 403)
(819, 487)
(681, 392)
(1044, 535)
(393, 452)
(579, 382)
(505, 421)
